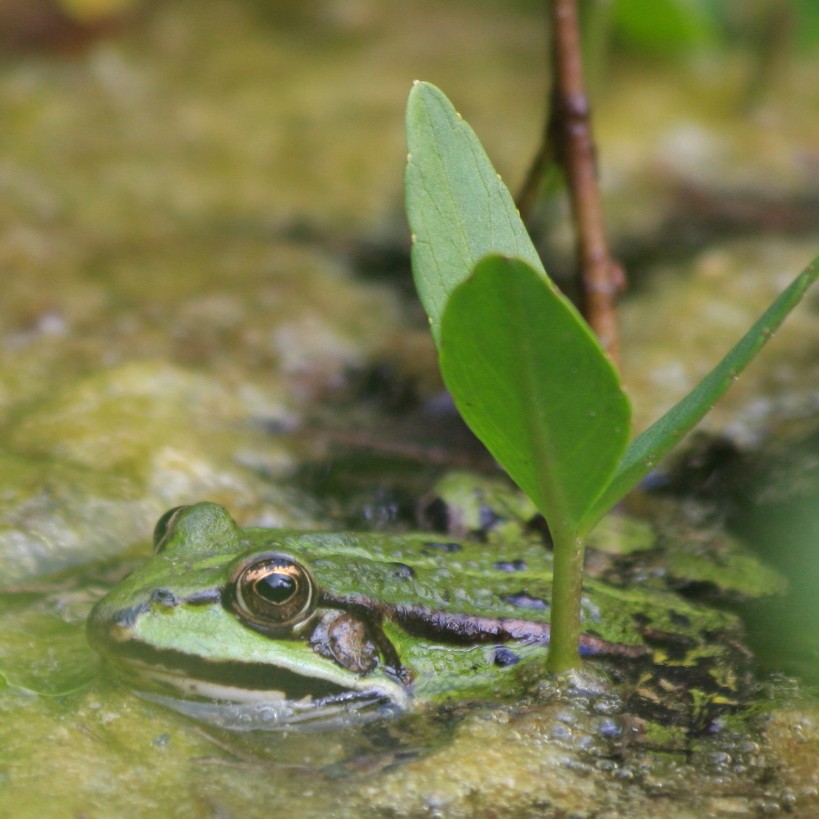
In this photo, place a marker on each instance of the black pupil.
(276, 587)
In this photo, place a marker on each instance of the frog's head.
(217, 624)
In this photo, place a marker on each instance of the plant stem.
(570, 134)
(567, 585)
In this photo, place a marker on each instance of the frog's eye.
(164, 526)
(273, 593)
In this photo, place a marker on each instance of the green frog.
(268, 628)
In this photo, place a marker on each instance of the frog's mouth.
(250, 695)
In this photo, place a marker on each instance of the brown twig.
(600, 278)
(568, 139)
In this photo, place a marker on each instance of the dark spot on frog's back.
(401, 571)
(504, 657)
(525, 600)
(431, 546)
(674, 644)
(680, 620)
(510, 566)
(641, 620)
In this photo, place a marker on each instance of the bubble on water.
(561, 732)
(609, 729)
(607, 705)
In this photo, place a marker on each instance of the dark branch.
(568, 141)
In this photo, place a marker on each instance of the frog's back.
(463, 577)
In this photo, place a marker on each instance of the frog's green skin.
(355, 625)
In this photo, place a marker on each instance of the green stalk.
(567, 585)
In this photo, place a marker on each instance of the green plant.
(524, 369)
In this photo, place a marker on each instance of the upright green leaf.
(458, 208)
(652, 445)
(531, 380)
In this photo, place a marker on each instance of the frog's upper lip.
(174, 668)
(147, 666)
